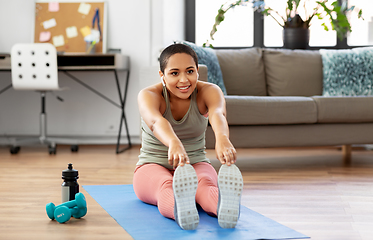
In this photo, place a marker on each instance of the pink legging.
(153, 184)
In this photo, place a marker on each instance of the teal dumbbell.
(79, 202)
(63, 214)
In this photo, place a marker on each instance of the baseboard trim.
(83, 140)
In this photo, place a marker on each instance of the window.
(273, 31)
(244, 28)
(362, 31)
(235, 31)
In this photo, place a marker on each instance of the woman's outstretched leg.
(230, 187)
(207, 195)
(152, 184)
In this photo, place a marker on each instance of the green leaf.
(297, 3)
(219, 18)
(266, 12)
(319, 16)
(360, 13)
(290, 5)
(335, 4)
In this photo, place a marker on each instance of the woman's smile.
(184, 89)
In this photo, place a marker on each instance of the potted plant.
(296, 28)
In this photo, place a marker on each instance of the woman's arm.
(149, 101)
(215, 103)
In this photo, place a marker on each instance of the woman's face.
(180, 75)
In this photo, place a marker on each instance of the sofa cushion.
(347, 72)
(251, 110)
(293, 72)
(207, 57)
(344, 109)
(243, 71)
(296, 135)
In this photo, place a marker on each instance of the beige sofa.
(275, 100)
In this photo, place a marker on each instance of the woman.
(174, 119)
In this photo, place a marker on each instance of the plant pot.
(296, 38)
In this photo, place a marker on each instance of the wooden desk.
(90, 62)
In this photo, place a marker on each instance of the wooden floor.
(307, 189)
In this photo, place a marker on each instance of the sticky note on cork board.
(84, 8)
(58, 41)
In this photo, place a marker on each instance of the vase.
(296, 38)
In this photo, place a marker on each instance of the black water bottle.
(70, 186)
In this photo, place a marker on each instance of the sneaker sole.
(230, 185)
(184, 185)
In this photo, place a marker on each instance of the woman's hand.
(177, 154)
(225, 152)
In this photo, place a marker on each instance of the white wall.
(167, 25)
(139, 28)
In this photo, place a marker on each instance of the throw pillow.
(347, 72)
(208, 57)
(244, 70)
(293, 72)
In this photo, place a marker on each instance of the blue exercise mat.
(143, 221)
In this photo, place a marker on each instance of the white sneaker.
(185, 184)
(230, 185)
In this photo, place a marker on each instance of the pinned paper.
(85, 31)
(49, 23)
(58, 41)
(71, 32)
(84, 8)
(93, 37)
(44, 36)
(54, 7)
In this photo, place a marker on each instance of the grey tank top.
(190, 130)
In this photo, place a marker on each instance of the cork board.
(62, 25)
